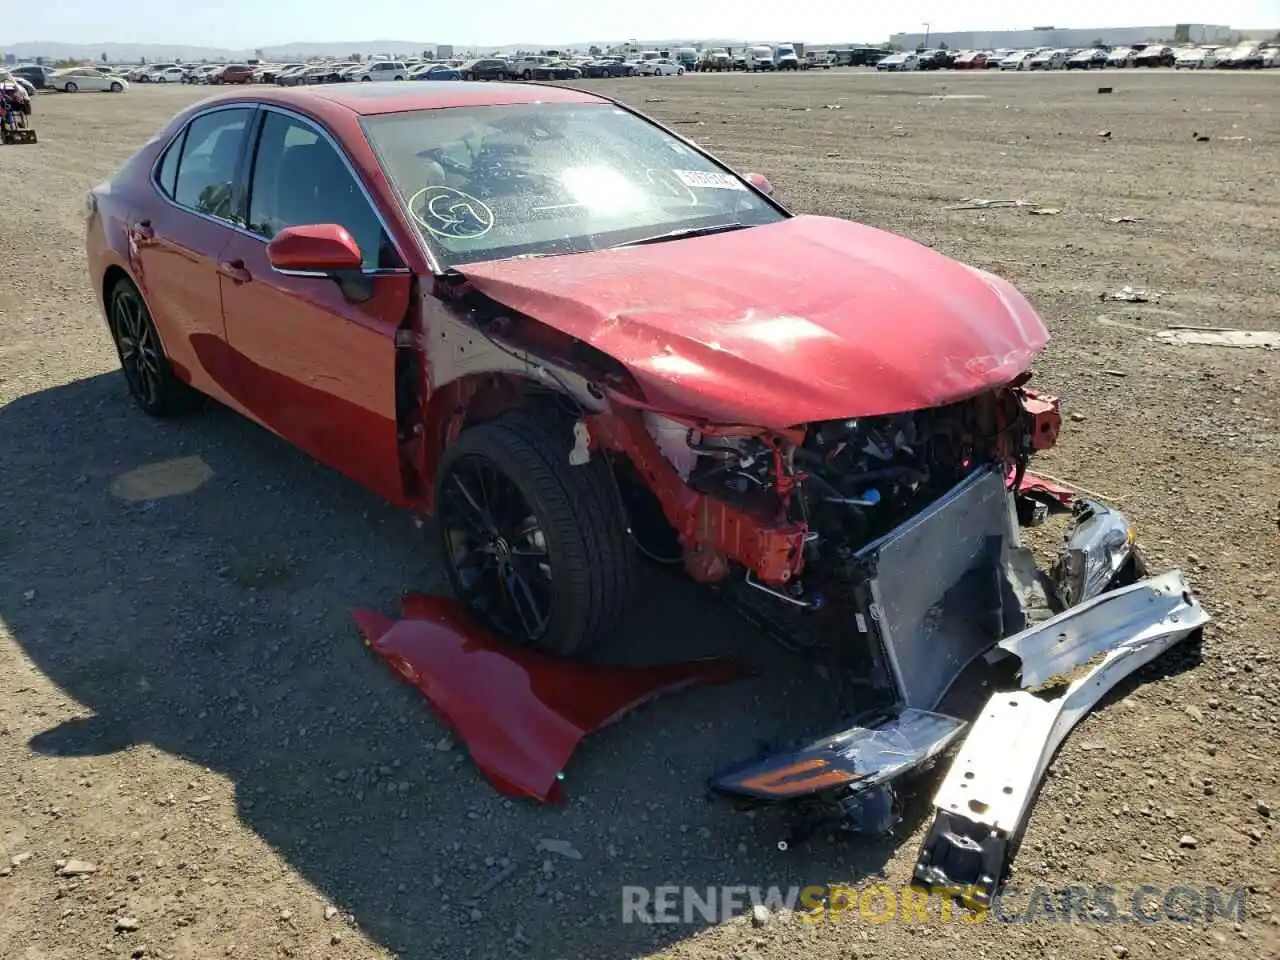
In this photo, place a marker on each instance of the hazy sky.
(252, 23)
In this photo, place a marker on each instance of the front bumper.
(945, 588)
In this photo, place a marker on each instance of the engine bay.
(845, 483)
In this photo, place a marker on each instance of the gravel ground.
(190, 726)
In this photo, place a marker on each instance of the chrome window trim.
(256, 107)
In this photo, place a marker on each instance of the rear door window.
(206, 174)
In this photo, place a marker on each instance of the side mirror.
(761, 183)
(319, 249)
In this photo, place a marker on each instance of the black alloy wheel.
(498, 549)
(535, 547)
(147, 371)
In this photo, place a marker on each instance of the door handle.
(235, 271)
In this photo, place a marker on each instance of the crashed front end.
(891, 546)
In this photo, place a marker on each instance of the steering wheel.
(449, 164)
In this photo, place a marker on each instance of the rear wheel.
(147, 370)
(70, 87)
(536, 547)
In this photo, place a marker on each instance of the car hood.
(809, 318)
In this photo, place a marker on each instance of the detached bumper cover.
(1079, 655)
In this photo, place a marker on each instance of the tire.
(117, 88)
(71, 87)
(586, 557)
(366, 79)
(150, 376)
(528, 75)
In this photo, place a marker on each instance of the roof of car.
(399, 96)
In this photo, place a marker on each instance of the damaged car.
(576, 339)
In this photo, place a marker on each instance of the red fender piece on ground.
(521, 713)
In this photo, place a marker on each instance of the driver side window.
(300, 179)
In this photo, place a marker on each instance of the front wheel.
(147, 370)
(528, 74)
(70, 87)
(117, 88)
(536, 547)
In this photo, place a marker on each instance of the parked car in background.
(1195, 58)
(435, 71)
(609, 68)
(1048, 60)
(381, 70)
(524, 67)
(1239, 57)
(147, 73)
(1155, 56)
(172, 74)
(662, 67)
(1121, 57)
(899, 63)
(232, 73)
(285, 77)
(971, 60)
(1018, 60)
(936, 60)
(270, 73)
(35, 74)
(1093, 59)
(488, 68)
(341, 72)
(79, 79)
(297, 78)
(715, 61)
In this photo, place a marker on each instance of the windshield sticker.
(710, 179)
(451, 214)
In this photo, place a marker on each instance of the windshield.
(495, 182)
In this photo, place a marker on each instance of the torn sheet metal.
(937, 588)
(983, 804)
(521, 713)
(1100, 542)
(1036, 485)
(858, 758)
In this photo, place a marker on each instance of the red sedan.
(232, 73)
(568, 334)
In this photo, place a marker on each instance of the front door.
(313, 362)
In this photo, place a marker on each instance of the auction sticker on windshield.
(710, 179)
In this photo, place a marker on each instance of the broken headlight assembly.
(1101, 550)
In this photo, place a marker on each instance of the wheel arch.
(477, 398)
(111, 277)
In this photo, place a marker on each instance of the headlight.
(1100, 542)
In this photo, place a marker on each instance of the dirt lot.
(185, 703)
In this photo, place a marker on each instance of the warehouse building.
(1055, 37)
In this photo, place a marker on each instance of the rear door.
(176, 245)
(315, 363)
